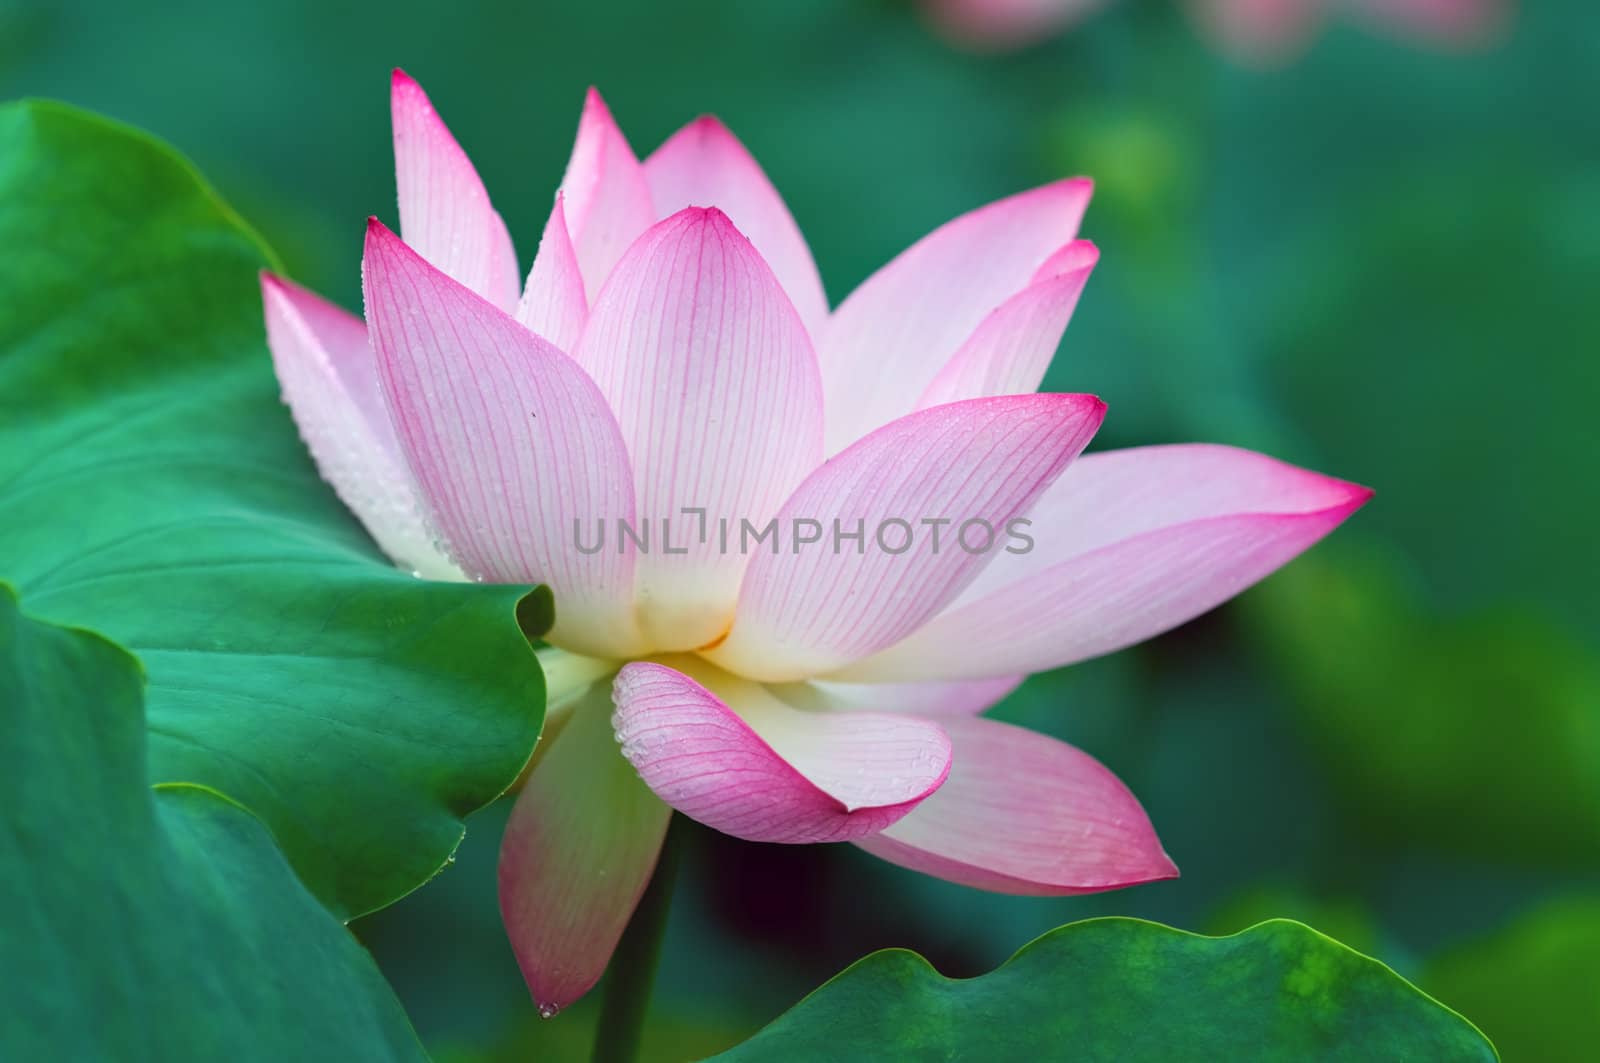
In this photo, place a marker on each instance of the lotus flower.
(1251, 29)
(673, 351)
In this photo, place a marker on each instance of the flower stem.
(633, 965)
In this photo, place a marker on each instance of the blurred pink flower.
(673, 353)
(1000, 24)
(1272, 29)
(1252, 29)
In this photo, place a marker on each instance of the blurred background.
(1369, 253)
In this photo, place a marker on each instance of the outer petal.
(888, 340)
(1009, 353)
(510, 442)
(330, 382)
(704, 165)
(807, 609)
(1025, 813)
(742, 761)
(444, 211)
(576, 856)
(553, 304)
(607, 199)
(962, 698)
(1128, 544)
(715, 386)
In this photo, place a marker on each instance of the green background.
(1378, 261)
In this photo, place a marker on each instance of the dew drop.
(548, 1011)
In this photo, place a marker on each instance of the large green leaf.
(1343, 917)
(154, 489)
(1127, 990)
(141, 924)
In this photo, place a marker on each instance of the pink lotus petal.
(889, 339)
(509, 441)
(330, 382)
(961, 698)
(607, 199)
(704, 165)
(806, 610)
(577, 854)
(1025, 813)
(695, 346)
(1009, 353)
(1129, 543)
(444, 210)
(553, 304)
(741, 761)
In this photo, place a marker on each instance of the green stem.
(633, 966)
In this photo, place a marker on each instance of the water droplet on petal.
(548, 1011)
